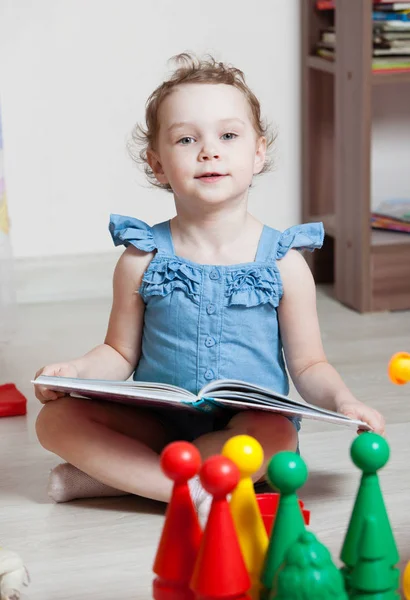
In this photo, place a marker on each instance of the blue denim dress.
(208, 322)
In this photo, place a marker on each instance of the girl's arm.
(314, 378)
(118, 356)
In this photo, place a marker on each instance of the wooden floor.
(104, 549)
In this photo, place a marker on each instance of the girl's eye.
(186, 140)
(229, 136)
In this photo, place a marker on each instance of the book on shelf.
(394, 16)
(385, 41)
(393, 215)
(382, 37)
(388, 223)
(380, 64)
(392, 6)
(217, 396)
(399, 208)
(390, 41)
(383, 4)
(393, 53)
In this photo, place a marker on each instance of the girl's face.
(207, 148)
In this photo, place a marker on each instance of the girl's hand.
(357, 410)
(60, 370)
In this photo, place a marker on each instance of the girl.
(211, 294)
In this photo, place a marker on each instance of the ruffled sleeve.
(301, 237)
(127, 230)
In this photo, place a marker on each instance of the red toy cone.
(220, 570)
(181, 535)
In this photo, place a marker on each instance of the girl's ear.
(156, 166)
(260, 155)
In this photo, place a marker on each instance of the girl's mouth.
(211, 177)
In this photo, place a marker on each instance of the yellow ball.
(245, 452)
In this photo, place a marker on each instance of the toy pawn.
(220, 570)
(181, 535)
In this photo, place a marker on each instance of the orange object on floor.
(12, 402)
(399, 368)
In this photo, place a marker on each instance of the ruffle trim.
(164, 275)
(308, 236)
(128, 230)
(252, 286)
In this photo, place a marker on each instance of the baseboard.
(60, 278)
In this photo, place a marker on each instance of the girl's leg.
(112, 443)
(274, 432)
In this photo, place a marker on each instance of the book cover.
(390, 16)
(389, 224)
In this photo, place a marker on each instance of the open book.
(226, 394)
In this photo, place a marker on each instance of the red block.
(12, 402)
(268, 505)
(181, 535)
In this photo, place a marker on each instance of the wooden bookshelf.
(327, 66)
(378, 237)
(370, 269)
(320, 64)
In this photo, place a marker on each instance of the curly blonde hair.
(192, 70)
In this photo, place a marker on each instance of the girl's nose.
(208, 153)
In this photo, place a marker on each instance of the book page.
(251, 394)
(227, 385)
(108, 388)
(303, 413)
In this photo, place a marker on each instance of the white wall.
(391, 143)
(75, 75)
